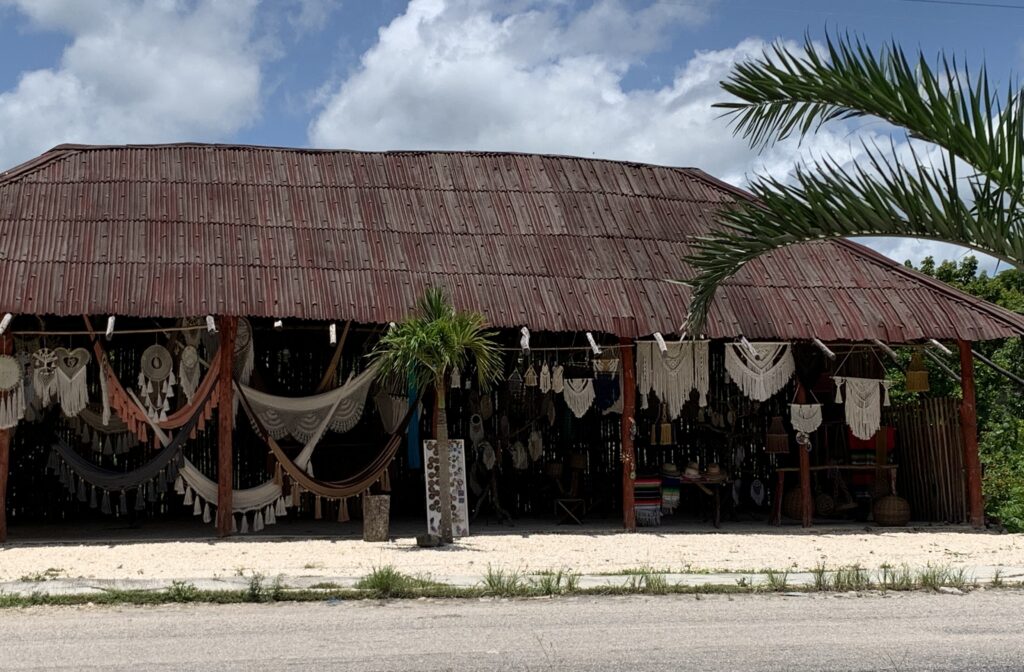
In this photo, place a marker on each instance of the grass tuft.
(776, 581)
(504, 583)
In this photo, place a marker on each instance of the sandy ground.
(587, 551)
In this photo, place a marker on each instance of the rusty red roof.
(555, 243)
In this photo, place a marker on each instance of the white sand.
(595, 552)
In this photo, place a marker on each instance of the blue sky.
(630, 79)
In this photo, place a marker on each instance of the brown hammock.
(341, 490)
(206, 396)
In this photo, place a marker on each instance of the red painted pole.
(628, 422)
(228, 327)
(5, 459)
(969, 428)
(806, 503)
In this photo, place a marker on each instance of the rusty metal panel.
(557, 243)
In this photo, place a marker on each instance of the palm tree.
(961, 180)
(424, 350)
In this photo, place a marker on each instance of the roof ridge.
(34, 164)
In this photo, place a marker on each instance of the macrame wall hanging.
(863, 404)
(760, 374)
(579, 395)
(805, 418)
(44, 376)
(673, 375)
(12, 391)
(545, 378)
(557, 379)
(189, 374)
(72, 385)
(156, 381)
(245, 352)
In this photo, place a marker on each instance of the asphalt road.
(980, 631)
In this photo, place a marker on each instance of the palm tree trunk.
(444, 454)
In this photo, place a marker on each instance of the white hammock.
(673, 375)
(863, 405)
(266, 500)
(301, 417)
(761, 376)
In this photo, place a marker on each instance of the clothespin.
(333, 332)
(278, 324)
(661, 342)
(593, 344)
(6, 322)
(110, 327)
(750, 348)
(211, 324)
(524, 341)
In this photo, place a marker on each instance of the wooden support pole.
(969, 428)
(5, 459)
(228, 328)
(806, 500)
(628, 422)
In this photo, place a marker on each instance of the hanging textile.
(44, 375)
(72, 386)
(805, 418)
(607, 388)
(266, 501)
(302, 417)
(12, 391)
(673, 375)
(863, 405)
(133, 412)
(530, 377)
(761, 376)
(375, 472)
(245, 352)
(558, 379)
(112, 438)
(545, 378)
(579, 395)
(391, 408)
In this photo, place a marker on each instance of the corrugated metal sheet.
(555, 243)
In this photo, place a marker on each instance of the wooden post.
(228, 327)
(628, 422)
(5, 459)
(806, 500)
(969, 427)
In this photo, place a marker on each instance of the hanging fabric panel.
(863, 404)
(674, 374)
(759, 376)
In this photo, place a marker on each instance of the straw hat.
(669, 469)
(714, 471)
(692, 470)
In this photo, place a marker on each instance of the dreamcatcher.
(156, 381)
(12, 392)
(189, 374)
(72, 387)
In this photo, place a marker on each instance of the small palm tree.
(424, 350)
(963, 181)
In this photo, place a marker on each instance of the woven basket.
(917, 374)
(891, 511)
(792, 505)
(824, 504)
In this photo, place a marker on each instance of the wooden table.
(781, 472)
(715, 492)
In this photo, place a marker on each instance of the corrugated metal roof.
(555, 243)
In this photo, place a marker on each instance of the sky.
(619, 79)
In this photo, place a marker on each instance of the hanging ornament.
(545, 378)
(72, 386)
(530, 378)
(188, 371)
(44, 375)
(917, 374)
(456, 381)
(520, 460)
(558, 379)
(12, 392)
(155, 370)
(805, 418)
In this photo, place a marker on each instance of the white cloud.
(457, 75)
(141, 71)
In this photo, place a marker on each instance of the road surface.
(980, 631)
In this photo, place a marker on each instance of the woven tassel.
(281, 509)
(160, 484)
(172, 381)
(293, 498)
(140, 498)
(151, 491)
(142, 381)
(234, 525)
(81, 490)
(257, 522)
(147, 388)
(839, 390)
(86, 438)
(105, 507)
(52, 464)
(197, 507)
(245, 525)
(343, 510)
(163, 416)
(123, 505)
(885, 399)
(188, 496)
(317, 510)
(92, 498)
(206, 513)
(269, 515)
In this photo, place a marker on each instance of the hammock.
(761, 376)
(303, 417)
(75, 471)
(131, 410)
(358, 484)
(199, 491)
